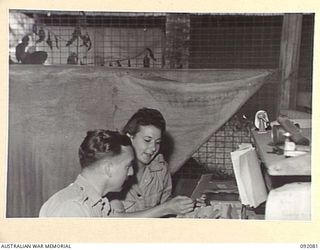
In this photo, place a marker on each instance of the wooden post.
(98, 50)
(177, 41)
(289, 60)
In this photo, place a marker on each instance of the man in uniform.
(106, 159)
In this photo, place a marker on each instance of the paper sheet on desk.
(248, 175)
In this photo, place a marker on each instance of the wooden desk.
(278, 165)
(287, 179)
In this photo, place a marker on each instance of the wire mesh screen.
(93, 38)
(235, 41)
(169, 40)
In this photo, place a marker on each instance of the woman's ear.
(130, 136)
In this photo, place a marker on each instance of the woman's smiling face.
(146, 143)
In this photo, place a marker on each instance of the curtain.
(52, 107)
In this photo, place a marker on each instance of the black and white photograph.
(160, 115)
(159, 122)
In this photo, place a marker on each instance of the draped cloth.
(52, 107)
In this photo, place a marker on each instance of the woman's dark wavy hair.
(145, 117)
(100, 143)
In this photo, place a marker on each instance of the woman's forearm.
(175, 206)
(155, 212)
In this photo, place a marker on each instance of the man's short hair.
(100, 143)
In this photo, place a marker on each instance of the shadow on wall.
(167, 146)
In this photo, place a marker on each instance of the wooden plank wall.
(289, 60)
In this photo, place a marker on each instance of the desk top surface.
(278, 165)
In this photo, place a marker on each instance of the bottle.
(289, 146)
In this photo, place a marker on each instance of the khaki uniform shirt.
(80, 199)
(155, 187)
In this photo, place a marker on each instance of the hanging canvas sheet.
(52, 107)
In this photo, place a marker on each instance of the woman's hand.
(180, 205)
